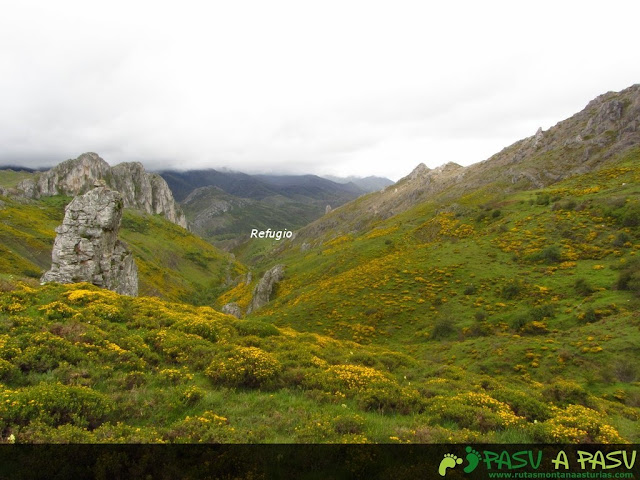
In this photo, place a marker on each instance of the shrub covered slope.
(491, 318)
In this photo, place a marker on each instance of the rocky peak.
(418, 172)
(263, 290)
(447, 168)
(68, 178)
(87, 248)
(141, 190)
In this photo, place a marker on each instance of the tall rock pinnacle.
(87, 248)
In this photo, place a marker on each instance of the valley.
(494, 303)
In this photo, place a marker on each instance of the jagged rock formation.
(87, 248)
(141, 190)
(263, 290)
(232, 308)
(608, 125)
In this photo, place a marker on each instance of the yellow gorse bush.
(247, 366)
(357, 377)
(577, 423)
(476, 410)
(57, 310)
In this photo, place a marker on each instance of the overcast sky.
(327, 87)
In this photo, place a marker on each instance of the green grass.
(172, 263)
(10, 178)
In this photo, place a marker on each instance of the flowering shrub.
(8, 347)
(107, 311)
(191, 395)
(314, 430)
(57, 311)
(389, 398)
(356, 377)
(174, 375)
(207, 427)
(576, 424)
(198, 326)
(183, 348)
(524, 403)
(53, 404)
(260, 329)
(46, 351)
(7, 369)
(246, 367)
(122, 433)
(84, 294)
(565, 392)
(477, 411)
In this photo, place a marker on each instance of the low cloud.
(338, 89)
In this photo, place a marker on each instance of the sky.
(325, 87)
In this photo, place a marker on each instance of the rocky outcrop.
(263, 290)
(146, 191)
(141, 190)
(232, 308)
(87, 248)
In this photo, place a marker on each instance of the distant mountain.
(368, 184)
(224, 206)
(226, 220)
(234, 183)
(259, 187)
(18, 168)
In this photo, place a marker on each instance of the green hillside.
(80, 364)
(537, 290)
(489, 317)
(172, 263)
(10, 178)
(226, 220)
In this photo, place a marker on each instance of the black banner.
(326, 462)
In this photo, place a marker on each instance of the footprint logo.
(473, 457)
(449, 461)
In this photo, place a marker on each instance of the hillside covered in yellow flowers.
(449, 308)
(511, 320)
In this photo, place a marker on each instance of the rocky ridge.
(607, 126)
(87, 248)
(140, 189)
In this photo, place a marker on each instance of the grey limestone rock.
(141, 190)
(263, 290)
(87, 248)
(232, 308)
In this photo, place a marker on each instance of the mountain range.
(491, 303)
(223, 206)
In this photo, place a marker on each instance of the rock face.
(87, 248)
(264, 288)
(141, 190)
(232, 308)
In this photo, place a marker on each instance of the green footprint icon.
(473, 457)
(449, 461)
